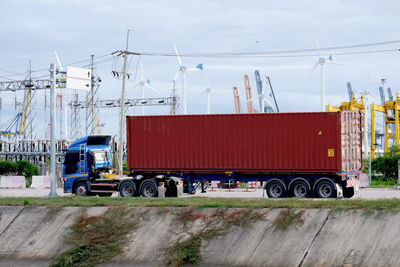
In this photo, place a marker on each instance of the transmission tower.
(75, 120)
(30, 109)
(93, 125)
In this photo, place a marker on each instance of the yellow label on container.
(331, 152)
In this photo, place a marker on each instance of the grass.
(199, 202)
(96, 239)
(288, 217)
(186, 252)
(382, 184)
(215, 223)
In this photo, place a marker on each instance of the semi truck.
(314, 154)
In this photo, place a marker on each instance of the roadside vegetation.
(96, 239)
(200, 202)
(384, 169)
(213, 224)
(22, 167)
(288, 217)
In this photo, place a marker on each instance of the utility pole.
(53, 174)
(92, 95)
(122, 119)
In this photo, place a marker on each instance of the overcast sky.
(76, 29)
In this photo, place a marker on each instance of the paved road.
(365, 193)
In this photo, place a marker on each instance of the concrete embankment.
(34, 236)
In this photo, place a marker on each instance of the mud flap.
(339, 191)
(161, 190)
(179, 188)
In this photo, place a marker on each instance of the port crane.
(237, 100)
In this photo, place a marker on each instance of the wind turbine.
(265, 105)
(208, 92)
(321, 62)
(183, 70)
(144, 84)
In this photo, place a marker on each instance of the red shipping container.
(323, 142)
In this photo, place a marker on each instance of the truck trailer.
(315, 154)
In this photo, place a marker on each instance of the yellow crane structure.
(352, 105)
(389, 107)
(25, 110)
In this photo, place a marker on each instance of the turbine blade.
(151, 88)
(177, 56)
(176, 75)
(254, 98)
(136, 85)
(202, 93)
(335, 63)
(192, 69)
(314, 67)
(317, 44)
(58, 61)
(266, 101)
(216, 92)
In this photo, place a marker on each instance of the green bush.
(8, 168)
(22, 167)
(27, 169)
(387, 165)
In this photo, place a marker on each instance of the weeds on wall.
(96, 239)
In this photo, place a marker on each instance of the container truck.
(315, 154)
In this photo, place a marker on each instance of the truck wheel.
(275, 189)
(299, 189)
(325, 189)
(149, 188)
(127, 189)
(81, 189)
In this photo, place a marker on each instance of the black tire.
(299, 189)
(149, 188)
(325, 189)
(275, 189)
(81, 189)
(127, 189)
(348, 192)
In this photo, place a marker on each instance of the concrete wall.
(319, 238)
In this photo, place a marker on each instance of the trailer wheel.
(348, 192)
(299, 189)
(81, 189)
(325, 189)
(127, 189)
(275, 189)
(149, 188)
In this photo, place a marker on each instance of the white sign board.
(78, 78)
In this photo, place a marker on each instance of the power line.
(276, 52)
(261, 54)
(46, 69)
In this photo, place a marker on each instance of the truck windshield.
(100, 156)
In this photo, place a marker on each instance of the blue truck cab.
(85, 159)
